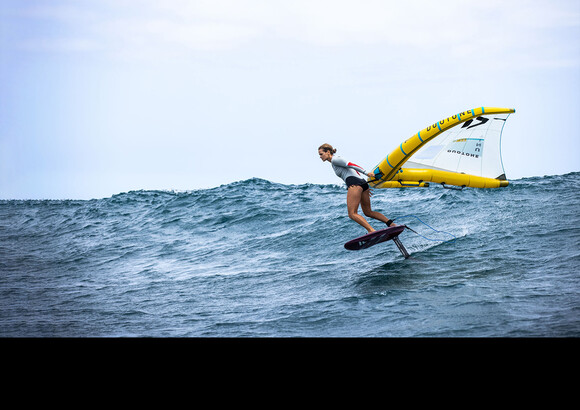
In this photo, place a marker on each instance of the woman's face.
(324, 155)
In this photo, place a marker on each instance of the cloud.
(60, 45)
(166, 35)
(148, 29)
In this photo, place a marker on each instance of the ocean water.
(261, 259)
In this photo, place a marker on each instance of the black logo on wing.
(482, 120)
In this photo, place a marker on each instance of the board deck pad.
(370, 239)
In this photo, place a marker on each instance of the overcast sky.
(99, 97)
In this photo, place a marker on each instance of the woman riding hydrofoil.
(358, 192)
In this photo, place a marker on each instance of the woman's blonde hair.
(327, 147)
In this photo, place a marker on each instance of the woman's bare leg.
(365, 204)
(353, 200)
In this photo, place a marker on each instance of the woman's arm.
(341, 162)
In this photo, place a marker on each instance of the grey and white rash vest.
(345, 169)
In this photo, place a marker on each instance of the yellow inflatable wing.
(466, 156)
